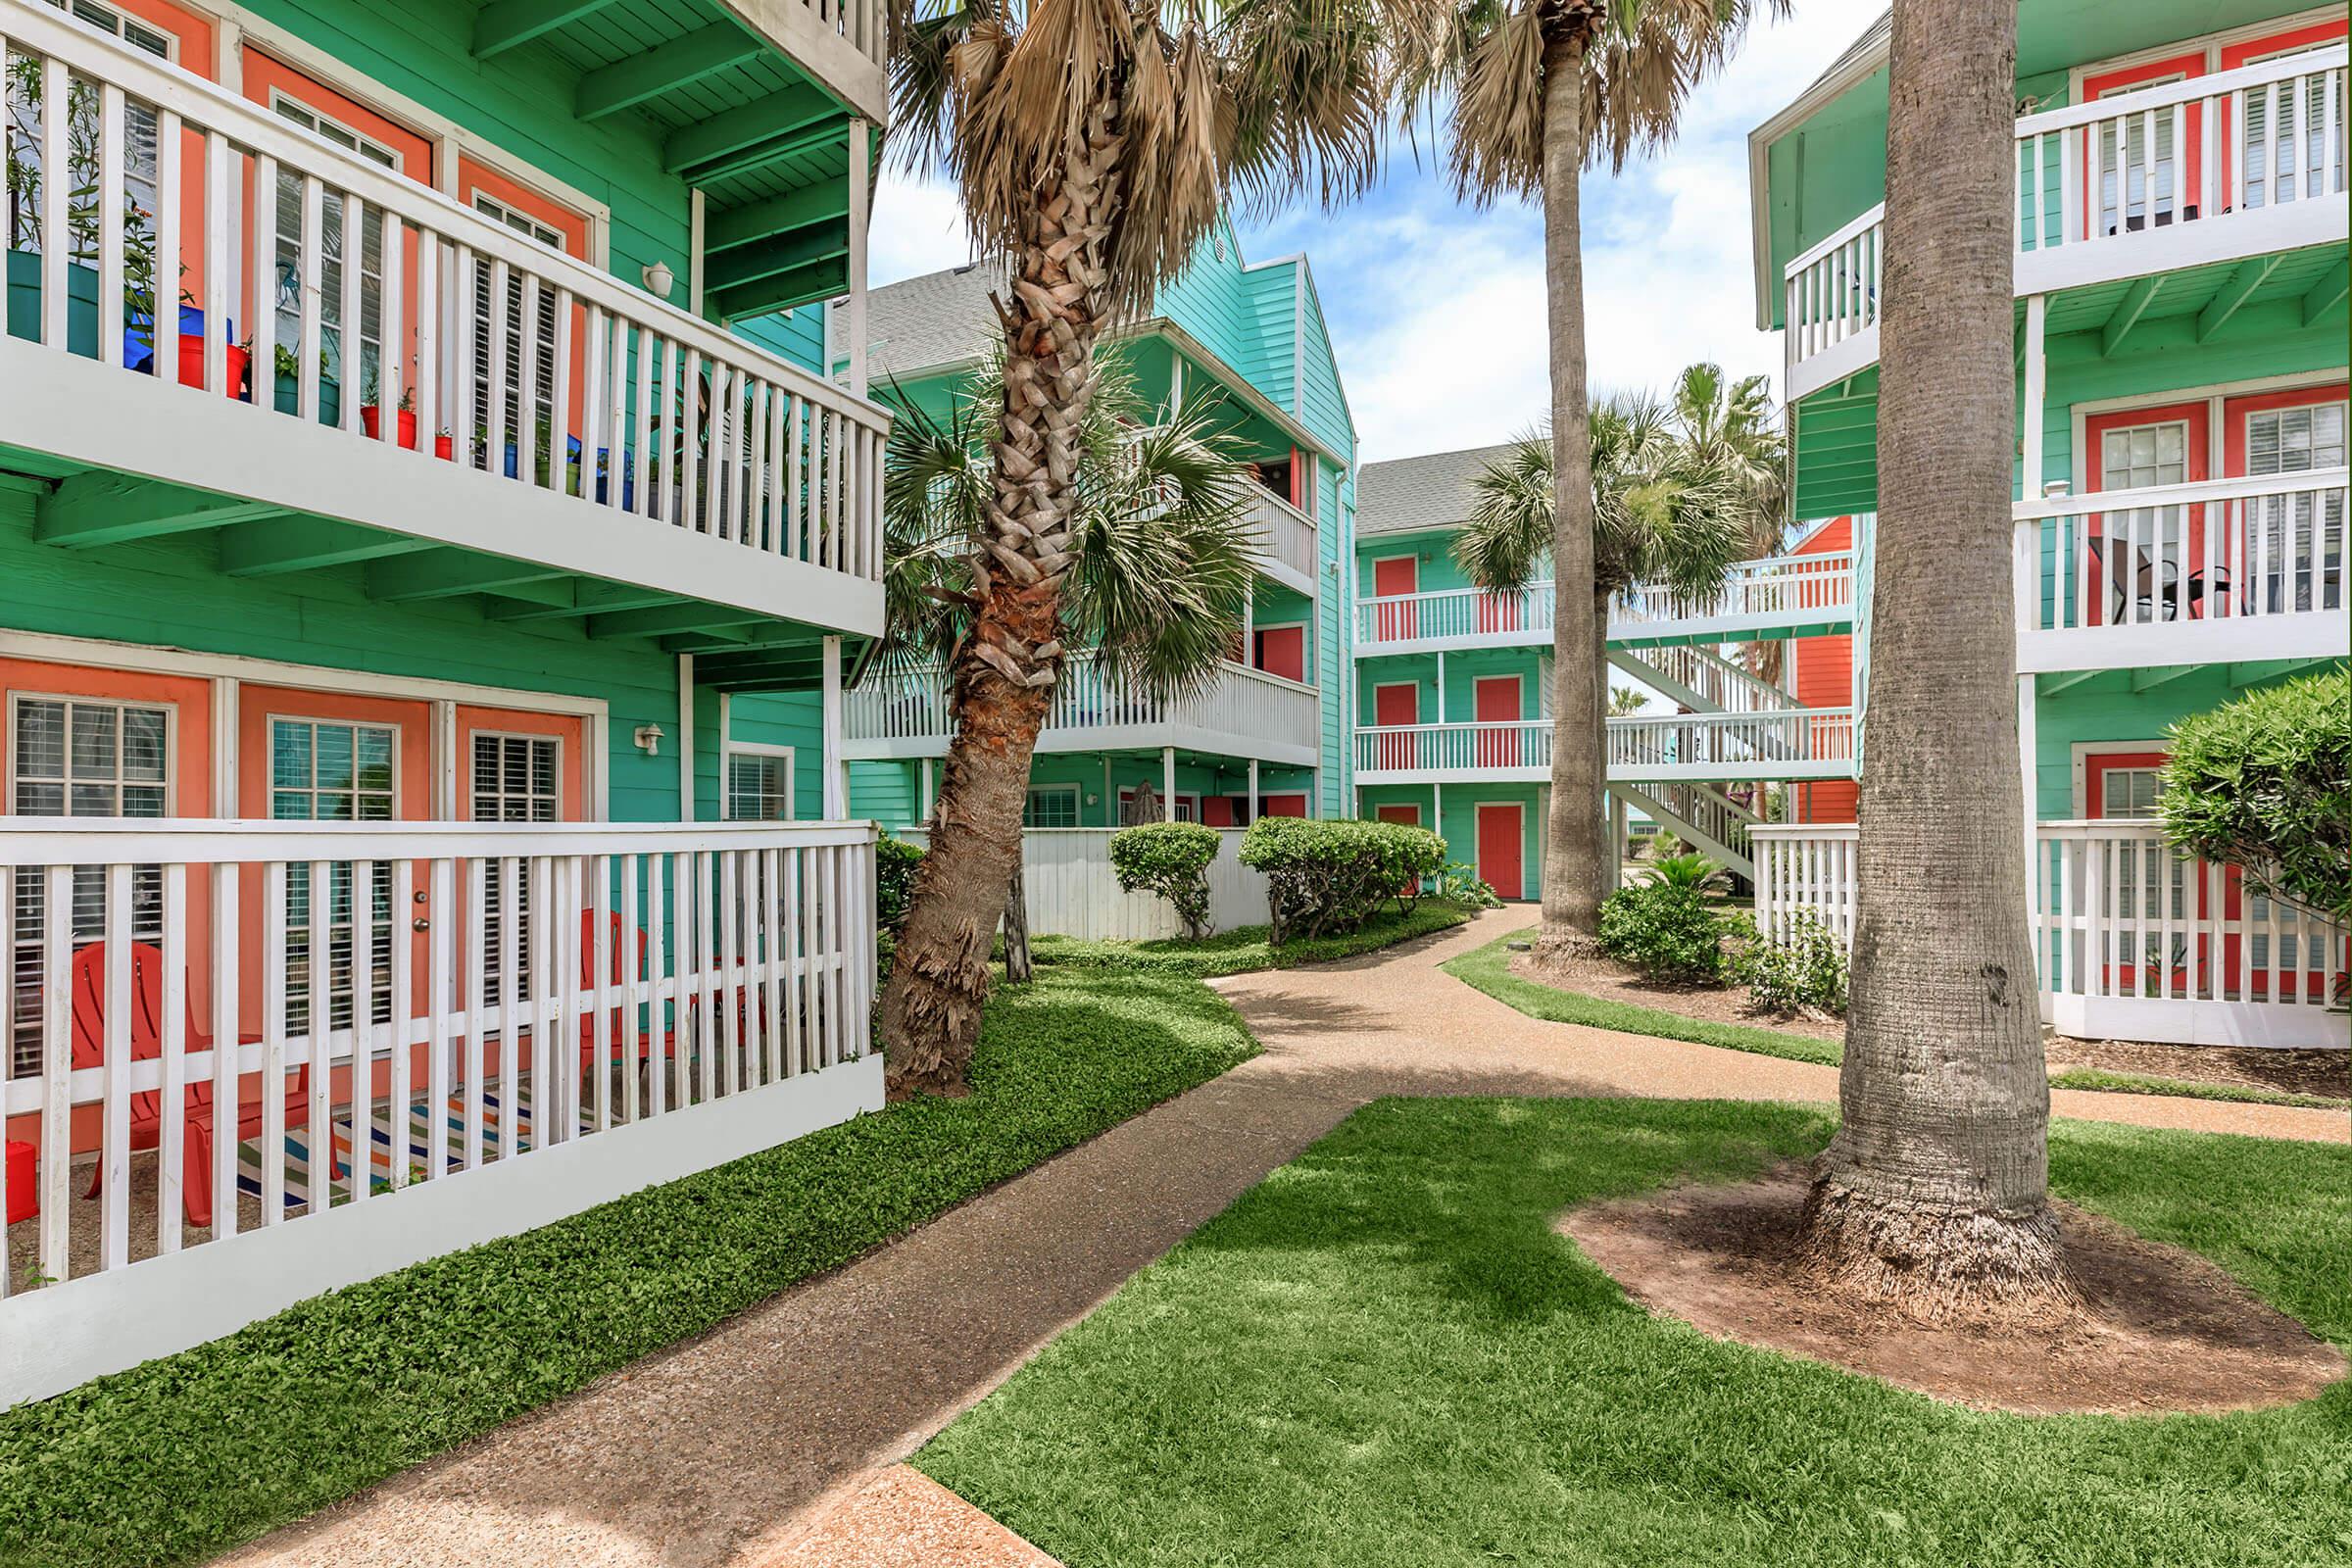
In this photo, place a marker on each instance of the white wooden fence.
(905, 713)
(2134, 939)
(543, 370)
(389, 1040)
(1072, 891)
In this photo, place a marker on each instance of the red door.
(1497, 701)
(1498, 849)
(2117, 193)
(1399, 703)
(1394, 576)
(1283, 806)
(1217, 810)
(1282, 650)
(1409, 815)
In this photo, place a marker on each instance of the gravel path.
(737, 1448)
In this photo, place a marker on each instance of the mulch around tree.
(1612, 981)
(2162, 1330)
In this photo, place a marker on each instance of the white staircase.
(1702, 680)
(1702, 817)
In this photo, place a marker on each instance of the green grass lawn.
(1488, 969)
(1245, 948)
(1385, 1355)
(178, 1459)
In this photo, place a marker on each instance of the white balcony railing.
(2237, 163)
(308, 1022)
(1471, 750)
(2134, 939)
(1711, 682)
(905, 714)
(1290, 542)
(1457, 614)
(478, 347)
(1775, 590)
(2156, 574)
(1799, 743)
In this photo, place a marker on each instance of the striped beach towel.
(502, 1126)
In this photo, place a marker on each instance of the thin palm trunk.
(1933, 1196)
(1002, 679)
(1574, 877)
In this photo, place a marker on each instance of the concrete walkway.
(725, 1449)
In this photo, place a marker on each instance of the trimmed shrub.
(2265, 783)
(1329, 875)
(1663, 926)
(895, 862)
(1170, 860)
(1806, 968)
(1462, 884)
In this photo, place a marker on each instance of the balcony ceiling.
(760, 134)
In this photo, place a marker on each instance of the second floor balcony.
(349, 366)
(1290, 552)
(1243, 712)
(2234, 569)
(1778, 596)
(1801, 743)
(2235, 165)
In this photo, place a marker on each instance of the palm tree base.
(1939, 1263)
(1566, 945)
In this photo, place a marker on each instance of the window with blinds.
(23, 120)
(508, 326)
(759, 785)
(2286, 530)
(332, 348)
(323, 772)
(79, 756)
(2298, 110)
(516, 778)
(2131, 186)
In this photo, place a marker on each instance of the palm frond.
(1509, 537)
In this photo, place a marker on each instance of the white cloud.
(1436, 309)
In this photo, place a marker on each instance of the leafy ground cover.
(1488, 969)
(1246, 948)
(178, 1459)
(1386, 1353)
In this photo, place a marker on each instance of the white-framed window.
(121, 24)
(510, 324)
(2129, 794)
(24, 139)
(2303, 149)
(2284, 530)
(513, 778)
(334, 771)
(1050, 806)
(331, 252)
(2126, 195)
(79, 756)
(759, 782)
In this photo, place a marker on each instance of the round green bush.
(2265, 783)
(1170, 860)
(1326, 875)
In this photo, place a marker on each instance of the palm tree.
(1735, 425)
(1933, 1196)
(1659, 514)
(1540, 89)
(1094, 145)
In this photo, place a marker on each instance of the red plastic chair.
(621, 1028)
(147, 1044)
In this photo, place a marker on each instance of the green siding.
(2105, 709)
(797, 720)
(1458, 826)
(166, 592)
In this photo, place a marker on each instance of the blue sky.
(1436, 307)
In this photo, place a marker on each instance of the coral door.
(2284, 552)
(1282, 650)
(1396, 706)
(2133, 184)
(1496, 700)
(1499, 829)
(2146, 564)
(1393, 578)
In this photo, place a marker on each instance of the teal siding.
(166, 592)
(794, 719)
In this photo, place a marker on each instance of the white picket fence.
(2134, 939)
(1072, 891)
(355, 1046)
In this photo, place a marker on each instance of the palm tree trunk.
(1574, 877)
(1018, 969)
(1002, 677)
(1933, 1196)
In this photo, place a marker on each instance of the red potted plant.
(407, 413)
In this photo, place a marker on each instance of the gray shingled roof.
(925, 323)
(1432, 491)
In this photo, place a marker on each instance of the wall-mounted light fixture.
(659, 279)
(648, 739)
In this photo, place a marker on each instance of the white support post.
(694, 250)
(2038, 375)
(859, 151)
(685, 737)
(1253, 812)
(1175, 385)
(927, 796)
(1167, 783)
(1249, 621)
(837, 767)
(2027, 767)
(1619, 827)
